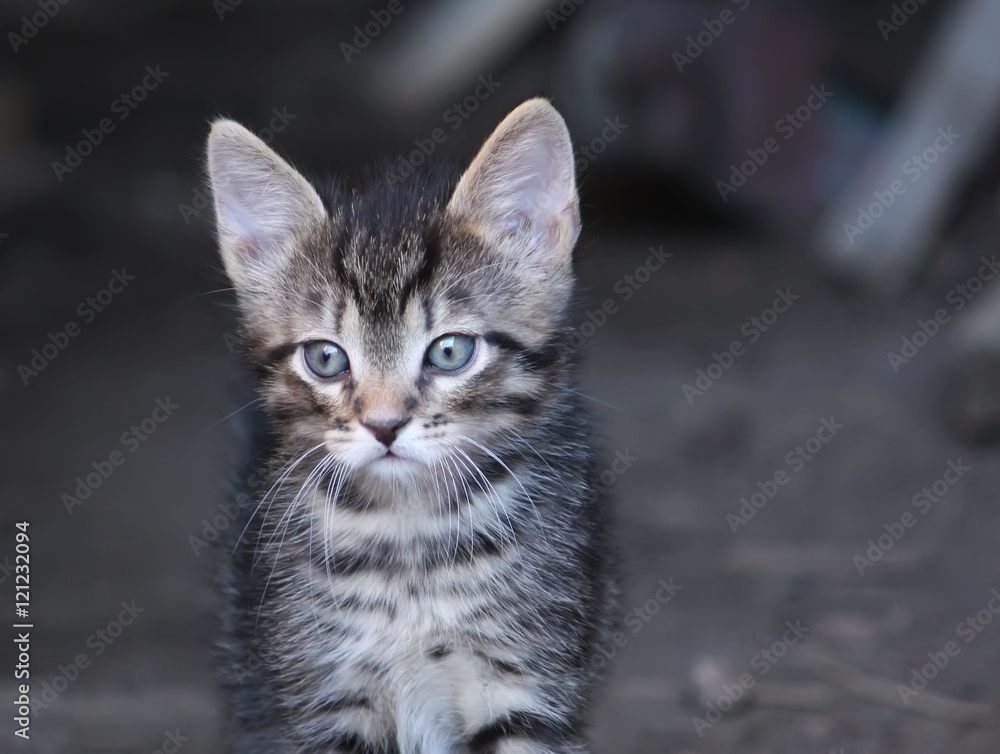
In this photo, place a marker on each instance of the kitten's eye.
(325, 359)
(451, 352)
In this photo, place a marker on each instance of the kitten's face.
(407, 338)
(397, 375)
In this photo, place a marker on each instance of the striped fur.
(448, 596)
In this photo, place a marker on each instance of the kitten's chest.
(389, 609)
(410, 607)
(410, 636)
(413, 580)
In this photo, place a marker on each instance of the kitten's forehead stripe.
(428, 312)
(387, 243)
(422, 278)
(338, 314)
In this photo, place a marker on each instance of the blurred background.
(788, 317)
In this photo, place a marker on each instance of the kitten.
(427, 567)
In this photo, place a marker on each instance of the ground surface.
(825, 358)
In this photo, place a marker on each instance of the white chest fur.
(418, 645)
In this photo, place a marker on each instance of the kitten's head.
(406, 329)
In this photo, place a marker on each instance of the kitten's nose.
(385, 430)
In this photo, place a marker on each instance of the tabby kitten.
(427, 567)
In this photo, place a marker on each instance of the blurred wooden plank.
(786, 560)
(446, 45)
(956, 88)
(886, 691)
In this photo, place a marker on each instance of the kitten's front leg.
(521, 746)
(524, 733)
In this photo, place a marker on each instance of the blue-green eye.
(325, 359)
(451, 352)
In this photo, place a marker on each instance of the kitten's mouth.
(392, 462)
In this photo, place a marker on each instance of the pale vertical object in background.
(432, 58)
(957, 86)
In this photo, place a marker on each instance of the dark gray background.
(167, 335)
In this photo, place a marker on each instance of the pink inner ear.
(539, 192)
(522, 183)
(238, 223)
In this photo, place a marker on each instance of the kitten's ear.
(521, 187)
(261, 202)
